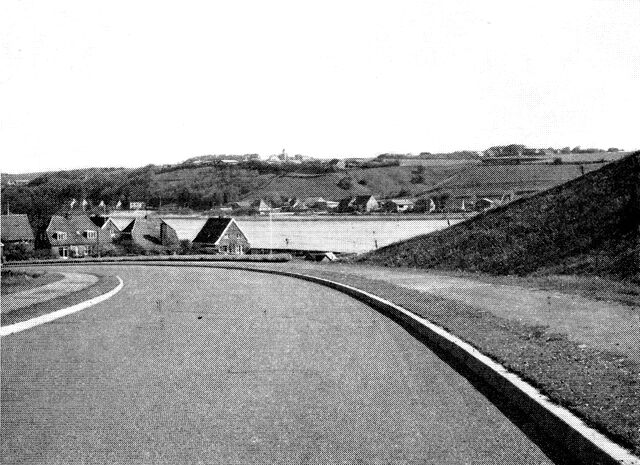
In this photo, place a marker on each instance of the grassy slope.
(385, 181)
(586, 226)
(502, 178)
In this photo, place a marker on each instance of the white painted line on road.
(616, 452)
(40, 320)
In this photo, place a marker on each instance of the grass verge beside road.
(591, 287)
(104, 285)
(16, 280)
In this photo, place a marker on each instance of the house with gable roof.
(73, 236)
(257, 206)
(17, 235)
(15, 228)
(151, 234)
(224, 236)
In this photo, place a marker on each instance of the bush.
(345, 183)
(185, 247)
(18, 251)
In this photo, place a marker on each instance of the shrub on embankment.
(587, 226)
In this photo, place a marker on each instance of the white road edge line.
(40, 320)
(615, 451)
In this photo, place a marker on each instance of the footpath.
(70, 283)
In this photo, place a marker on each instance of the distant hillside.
(382, 182)
(498, 179)
(589, 225)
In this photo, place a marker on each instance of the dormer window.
(91, 234)
(60, 235)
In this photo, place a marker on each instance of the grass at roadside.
(592, 287)
(600, 387)
(104, 284)
(16, 281)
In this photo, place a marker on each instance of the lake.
(336, 234)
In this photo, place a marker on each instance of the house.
(186, 228)
(151, 234)
(15, 228)
(337, 164)
(294, 205)
(224, 236)
(108, 225)
(256, 206)
(136, 205)
(120, 222)
(398, 205)
(359, 203)
(73, 236)
(17, 235)
(315, 202)
(424, 205)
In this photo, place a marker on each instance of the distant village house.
(359, 203)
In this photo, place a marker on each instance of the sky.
(129, 83)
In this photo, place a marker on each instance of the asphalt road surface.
(190, 365)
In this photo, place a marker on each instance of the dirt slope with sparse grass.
(588, 226)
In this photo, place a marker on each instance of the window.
(63, 252)
(92, 234)
(60, 235)
(224, 248)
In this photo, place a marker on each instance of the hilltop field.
(587, 226)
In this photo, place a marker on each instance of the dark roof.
(16, 228)
(212, 230)
(147, 229)
(98, 220)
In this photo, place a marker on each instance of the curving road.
(192, 365)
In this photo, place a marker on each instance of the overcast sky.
(128, 83)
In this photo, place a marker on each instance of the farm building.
(224, 235)
(150, 234)
(359, 203)
(73, 236)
